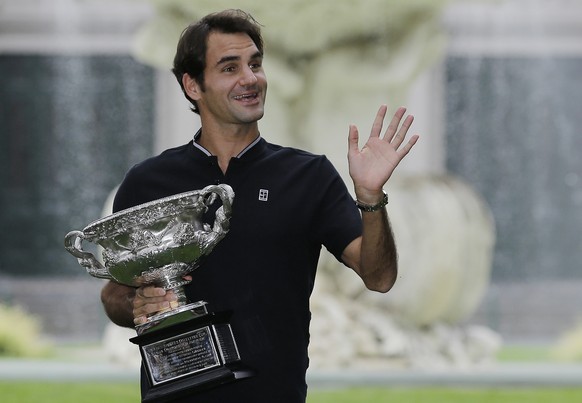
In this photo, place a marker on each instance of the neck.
(227, 142)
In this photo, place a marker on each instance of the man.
(288, 203)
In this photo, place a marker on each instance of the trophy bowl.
(156, 243)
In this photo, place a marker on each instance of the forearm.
(378, 266)
(117, 301)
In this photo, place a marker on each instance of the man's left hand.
(371, 167)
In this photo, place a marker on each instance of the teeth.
(245, 96)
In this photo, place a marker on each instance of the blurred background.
(486, 210)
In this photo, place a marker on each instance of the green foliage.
(20, 334)
(524, 353)
(569, 347)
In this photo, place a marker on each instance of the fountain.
(514, 85)
(69, 89)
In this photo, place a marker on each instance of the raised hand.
(371, 167)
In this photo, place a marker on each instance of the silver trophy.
(158, 243)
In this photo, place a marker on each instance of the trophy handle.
(73, 244)
(222, 215)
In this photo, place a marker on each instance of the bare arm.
(373, 255)
(117, 300)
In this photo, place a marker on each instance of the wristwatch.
(373, 207)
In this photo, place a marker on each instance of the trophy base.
(191, 356)
(183, 387)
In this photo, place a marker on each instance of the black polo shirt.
(288, 203)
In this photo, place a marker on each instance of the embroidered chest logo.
(263, 195)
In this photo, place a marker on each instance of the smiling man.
(288, 204)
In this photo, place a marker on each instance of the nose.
(248, 77)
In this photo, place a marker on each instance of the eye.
(229, 69)
(255, 65)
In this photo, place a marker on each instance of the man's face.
(235, 84)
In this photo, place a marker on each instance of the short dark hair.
(191, 51)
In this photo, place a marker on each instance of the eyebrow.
(226, 59)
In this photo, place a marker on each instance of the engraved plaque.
(180, 356)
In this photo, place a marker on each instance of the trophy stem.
(181, 294)
(171, 278)
(173, 316)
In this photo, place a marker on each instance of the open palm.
(371, 167)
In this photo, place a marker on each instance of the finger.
(401, 134)
(406, 149)
(379, 121)
(394, 123)
(151, 292)
(151, 299)
(150, 308)
(353, 138)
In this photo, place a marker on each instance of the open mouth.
(247, 97)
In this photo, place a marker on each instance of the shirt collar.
(208, 153)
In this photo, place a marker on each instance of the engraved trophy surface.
(185, 348)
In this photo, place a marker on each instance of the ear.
(191, 87)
